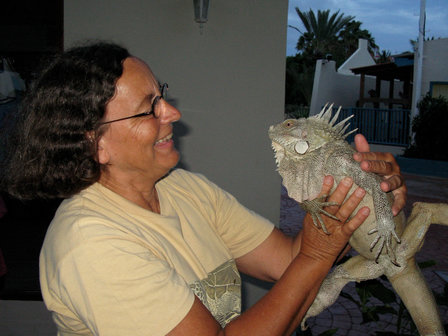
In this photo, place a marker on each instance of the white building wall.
(228, 82)
(341, 87)
(332, 87)
(361, 57)
(435, 66)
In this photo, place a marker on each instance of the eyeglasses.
(155, 112)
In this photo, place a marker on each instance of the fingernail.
(365, 211)
(347, 181)
(328, 180)
(360, 192)
(394, 211)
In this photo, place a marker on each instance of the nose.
(169, 113)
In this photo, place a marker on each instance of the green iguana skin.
(308, 149)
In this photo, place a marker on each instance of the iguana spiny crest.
(299, 136)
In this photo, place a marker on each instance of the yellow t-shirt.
(110, 267)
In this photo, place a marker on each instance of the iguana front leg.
(315, 208)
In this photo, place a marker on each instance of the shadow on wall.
(180, 129)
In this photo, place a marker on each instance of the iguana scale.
(308, 149)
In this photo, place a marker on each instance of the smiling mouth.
(164, 139)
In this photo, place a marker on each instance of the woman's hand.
(385, 165)
(318, 245)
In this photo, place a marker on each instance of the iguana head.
(298, 137)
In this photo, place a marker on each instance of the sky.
(392, 23)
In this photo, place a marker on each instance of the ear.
(301, 147)
(102, 153)
(98, 143)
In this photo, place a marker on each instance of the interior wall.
(228, 80)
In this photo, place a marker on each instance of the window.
(438, 89)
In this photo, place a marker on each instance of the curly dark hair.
(52, 155)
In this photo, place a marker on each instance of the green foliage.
(368, 290)
(348, 41)
(385, 57)
(299, 80)
(430, 128)
(334, 34)
(296, 111)
(325, 34)
(321, 31)
(375, 288)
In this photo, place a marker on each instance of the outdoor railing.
(379, 126)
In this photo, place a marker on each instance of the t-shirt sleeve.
(241, 229)
(118, 287)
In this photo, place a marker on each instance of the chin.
(172, 161)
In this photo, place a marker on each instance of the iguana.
(306, 150)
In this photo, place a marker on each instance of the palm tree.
(326, 33)
(321, 32)
(385, 57)
(349, 36)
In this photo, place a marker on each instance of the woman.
(139, 249)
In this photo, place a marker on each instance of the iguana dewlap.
(308, 149)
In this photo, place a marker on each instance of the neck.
(142, 193)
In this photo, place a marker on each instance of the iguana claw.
(386, 242)
(315, 208)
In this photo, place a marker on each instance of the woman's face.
(137, 147)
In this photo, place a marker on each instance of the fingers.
(361, 143)
(328, 246)
(391, 183)
(350, 205)
(398, 187)
(346, 209)
(400, 197)
(384, 164)
(379, 163)
(326, 186)
(349, 227)
(338, 196)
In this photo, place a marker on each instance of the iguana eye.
(287, 123)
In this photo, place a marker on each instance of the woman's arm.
(299, 264)
(279, 312)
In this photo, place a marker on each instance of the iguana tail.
(410, 283)
(411, 286)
